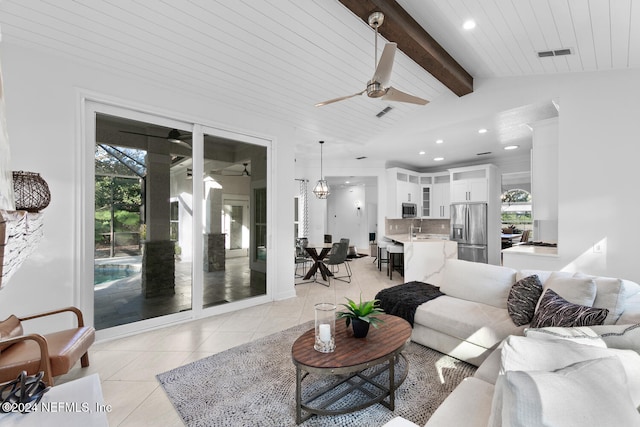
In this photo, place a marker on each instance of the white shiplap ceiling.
(277, 58)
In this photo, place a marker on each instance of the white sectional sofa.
(472, 323)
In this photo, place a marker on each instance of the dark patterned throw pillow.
(523, 298)
(556, 311)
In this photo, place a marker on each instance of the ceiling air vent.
(383, 112)
(557, 52)
(483, 154)
(361, 157)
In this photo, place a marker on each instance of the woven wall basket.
(31, 191)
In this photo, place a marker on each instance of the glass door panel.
(231, 169)
(142, 217)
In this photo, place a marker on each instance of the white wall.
(42, 101)
(344, 219)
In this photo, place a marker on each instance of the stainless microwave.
(409, 210)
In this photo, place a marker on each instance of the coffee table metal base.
(367, 379)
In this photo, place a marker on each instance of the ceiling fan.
(245, 172)
(173, 136)
(377, 86)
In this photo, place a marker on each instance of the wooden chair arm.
(45, 362)
(75, 310)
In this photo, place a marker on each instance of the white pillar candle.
(325, 332)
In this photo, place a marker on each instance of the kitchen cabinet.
(440, 197)
(403, 186)
(426, 196)
(471, 184)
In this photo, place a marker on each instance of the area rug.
(254, 385)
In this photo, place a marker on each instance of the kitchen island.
(425, 255)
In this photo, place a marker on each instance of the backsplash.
(425, 226)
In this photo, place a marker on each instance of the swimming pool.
(110, 272)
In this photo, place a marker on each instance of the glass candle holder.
(325, 327)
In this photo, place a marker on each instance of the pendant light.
(321, 190)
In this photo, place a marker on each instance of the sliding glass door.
(141, 205)
(231, 170)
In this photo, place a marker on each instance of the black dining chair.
(339, 256)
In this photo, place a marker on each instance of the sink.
(432, 236)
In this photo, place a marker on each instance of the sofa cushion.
(556, 311)
(543, 275)
(475, 281)
(626, 337)
(610, 294)
(573, 396)
(489, 369)
(527, 354)
(577, 290)
(481, 324)
(468, 405)
(523, 298)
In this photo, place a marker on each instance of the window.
(516, 210)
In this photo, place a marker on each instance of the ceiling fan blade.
(143, 134)
(385, 65)
(331, 101)
(394, 94)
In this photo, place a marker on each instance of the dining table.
(318, 263)
(508, 237)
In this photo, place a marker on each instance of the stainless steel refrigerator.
(469, 229)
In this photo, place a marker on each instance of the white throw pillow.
(475, 281)
(577, 290)
(527, 354)
(574, 396)
(625, 337)
(610, 294)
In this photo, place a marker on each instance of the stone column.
(214, 252)
(158, 272)
(214, 239)
(158, 260)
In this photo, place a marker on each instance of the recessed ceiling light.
(347, 182)
(483, 130)
(469, 24)
(422, 153)
(511, 147)
(439, 141)
(438, 159)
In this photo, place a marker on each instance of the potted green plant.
(362, 315)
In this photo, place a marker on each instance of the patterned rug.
(254, 385)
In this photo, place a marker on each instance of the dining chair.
(525, 237)
(339, 256)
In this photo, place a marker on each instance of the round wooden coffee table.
(354, 376)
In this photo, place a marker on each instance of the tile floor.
(128, 366)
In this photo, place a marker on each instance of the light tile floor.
(128, 366)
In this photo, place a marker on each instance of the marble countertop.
(420, 238)
(531, 250)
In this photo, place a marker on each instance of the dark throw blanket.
(403, 300)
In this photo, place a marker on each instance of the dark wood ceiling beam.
(415, 42)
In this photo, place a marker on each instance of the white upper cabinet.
(440, 197)
(403, 186)
(471, 184)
